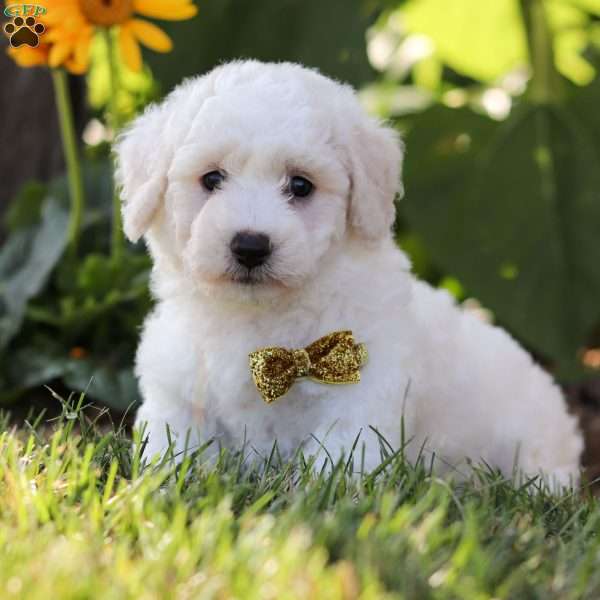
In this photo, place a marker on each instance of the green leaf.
(135, 90)
(100, 276)
(112, 386)
(33, 367)
(98, 185)
(26, 207)
(513, 209)
(97, 293)
(48, 361)
(26, 261)
(480, 38)
(327, 35)
(485, 39)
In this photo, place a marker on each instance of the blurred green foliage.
(486, 39)
(135, 90)
(61, 318)
(328, 35)
(502, 169)
(512, 208)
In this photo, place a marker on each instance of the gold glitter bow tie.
(334, 358)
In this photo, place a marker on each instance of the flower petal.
(75, 67)
(58, 53)
(29, 57)
(129, 48)
(81, 56)
(166, 10)
(150, 35)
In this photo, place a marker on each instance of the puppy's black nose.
(251, 249)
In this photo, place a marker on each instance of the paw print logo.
(24, 31)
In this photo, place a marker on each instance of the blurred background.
(498, 102)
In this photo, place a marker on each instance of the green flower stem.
(546, 84)
(69, 142)
(117, 239)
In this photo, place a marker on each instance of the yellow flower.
(71, 24)
(30, 57)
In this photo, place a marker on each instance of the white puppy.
(266, 196)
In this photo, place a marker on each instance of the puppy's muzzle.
(251, 249)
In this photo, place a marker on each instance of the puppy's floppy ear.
(145, 150)
(141, 172)
(376, 154)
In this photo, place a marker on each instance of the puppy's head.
(245, 179)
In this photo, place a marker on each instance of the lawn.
(82, 517)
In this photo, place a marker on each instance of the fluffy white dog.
(266, 197)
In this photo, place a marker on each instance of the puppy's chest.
(232, 408)
(224, 346)
(224, 366)
(225, 371)
(226, 399)
(231, 404)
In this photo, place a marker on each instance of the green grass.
(81, 517)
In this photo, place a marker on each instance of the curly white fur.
(463, 389)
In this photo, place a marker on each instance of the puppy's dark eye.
(300, 187)
(212, 180)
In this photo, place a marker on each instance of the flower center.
(107, 12)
